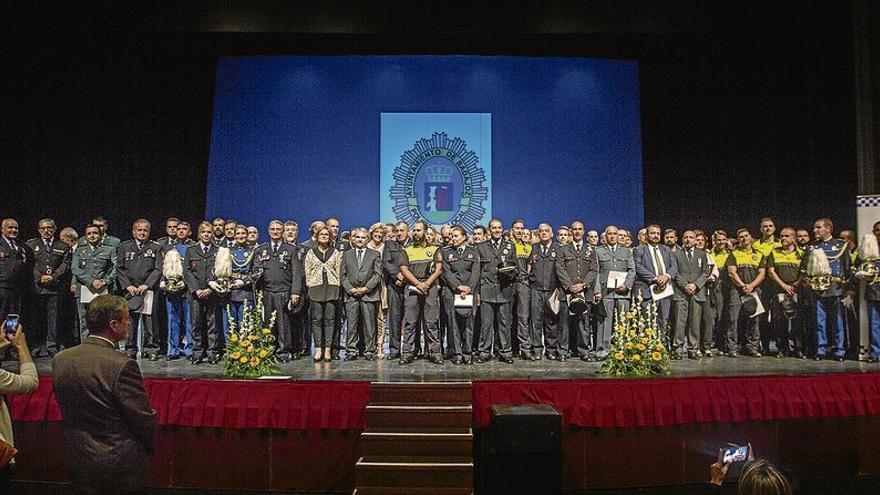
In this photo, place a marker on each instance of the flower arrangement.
(250, 348)
(637, 347)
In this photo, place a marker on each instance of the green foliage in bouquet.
(637, 347)
(250, 348)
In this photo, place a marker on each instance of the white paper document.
(464, 301)
(616, 279)
(663, 294)
(147, 307)
(86, 295)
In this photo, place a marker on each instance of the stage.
(819, 419)
(421, 370)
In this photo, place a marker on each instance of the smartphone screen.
(11, 323)
(734, 454)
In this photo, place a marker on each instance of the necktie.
(577, 247)
(657, 263)
(544, 250)
(48, 245)
(205, 249)
(460, 251)
(139, 245)
(13, 246)
(690, 255)
(360, 257)
(274, 248)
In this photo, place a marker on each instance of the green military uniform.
(92, 263)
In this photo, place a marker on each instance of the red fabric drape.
(672, 401)
(237, 404)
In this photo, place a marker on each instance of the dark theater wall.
(747, 107)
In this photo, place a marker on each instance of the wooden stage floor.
(423, 371)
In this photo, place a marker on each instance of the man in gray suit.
(108, 424)
(655, 269)
(360, 276)
(612, 296)
(690, 295)
(543, 283)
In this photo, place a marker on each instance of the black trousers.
(149, 337)
(205, 314)
(323, 316)
(460, 326)
(544, 323)
(283, 331)
(395, 319)
(490, 314)
(521, 310)
(48, 312)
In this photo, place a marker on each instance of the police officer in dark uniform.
(421, 266)
(497, 275)
(827, 287)
(51, 283)
(16, 270)
(198, 270)
(784, 269)
(281, 283)
(461, 276)
(543, 282)
(137, 273)
(395, 282)
(521, 295)
(745, 266)
(577, 267)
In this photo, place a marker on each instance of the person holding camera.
(25, 382)
(758, 477)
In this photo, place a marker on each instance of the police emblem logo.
(439, 181)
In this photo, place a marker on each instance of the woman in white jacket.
(12, 383)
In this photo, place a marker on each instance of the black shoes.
(172, 358)
(406, 360)
(350, 357)
(154, 357)
(505, 359)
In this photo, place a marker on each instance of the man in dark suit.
(16, 269)
(281, 282)
(577, 268)
(108, 424)
(543, 283)
(655, 269)
(496, 293)
(360, 277)
(51, 284)
(137, 274)
(198, 270)
(690, 294)
(461, 276)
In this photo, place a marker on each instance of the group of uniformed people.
(492, 293)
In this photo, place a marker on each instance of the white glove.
(214, 286)
(238, 284)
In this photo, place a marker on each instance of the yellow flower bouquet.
(250, 348)
(636, 346)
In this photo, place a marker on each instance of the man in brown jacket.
(108, 423)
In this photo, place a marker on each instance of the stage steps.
(418, 440)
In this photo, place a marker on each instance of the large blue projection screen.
(444, 138)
